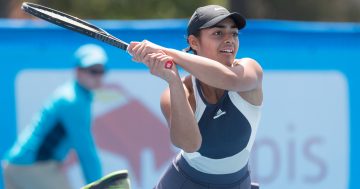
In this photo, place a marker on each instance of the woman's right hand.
(156, 63)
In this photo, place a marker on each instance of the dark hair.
(197, 35)
(207, 17)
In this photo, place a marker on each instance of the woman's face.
(220, 42)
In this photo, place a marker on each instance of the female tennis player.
(213, 114)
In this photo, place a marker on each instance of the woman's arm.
(246, 75)
(184, 130)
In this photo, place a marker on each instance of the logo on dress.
(219, 113)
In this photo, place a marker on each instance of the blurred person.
(213, 114)
(64, 123)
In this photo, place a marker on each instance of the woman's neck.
(211, 94)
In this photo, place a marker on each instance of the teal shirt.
(64, 123)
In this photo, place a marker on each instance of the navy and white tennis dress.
(228, 129)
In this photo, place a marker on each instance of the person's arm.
(245, 76)
(77, 121)
(184, 130)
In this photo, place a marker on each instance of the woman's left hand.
(156, 63)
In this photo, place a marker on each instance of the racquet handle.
(169, 64)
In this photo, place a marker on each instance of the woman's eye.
(218, 33)
(235, 34)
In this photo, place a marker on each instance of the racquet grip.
(169, 64)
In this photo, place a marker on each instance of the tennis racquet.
(75, 24)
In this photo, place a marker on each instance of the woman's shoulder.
(247, 61)
(250, 65)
